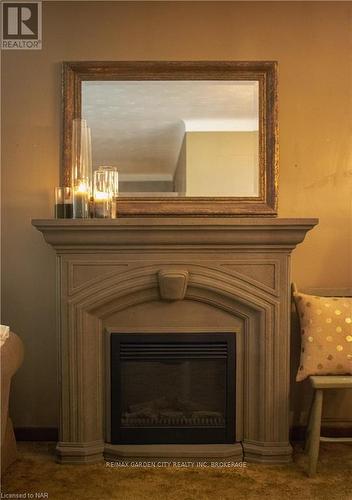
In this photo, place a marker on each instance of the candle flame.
(101, 195)
(82, 187)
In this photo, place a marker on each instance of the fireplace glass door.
(172, 388)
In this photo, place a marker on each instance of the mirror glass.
(176, 138)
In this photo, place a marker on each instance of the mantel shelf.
(144, 232)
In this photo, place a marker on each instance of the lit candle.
(80, 200)
(102, 204)
(105, 187)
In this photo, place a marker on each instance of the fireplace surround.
(170, 275)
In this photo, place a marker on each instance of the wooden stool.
(319, 383)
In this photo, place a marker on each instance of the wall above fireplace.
(234, 275)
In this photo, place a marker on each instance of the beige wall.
(222, 164)
(312, 43)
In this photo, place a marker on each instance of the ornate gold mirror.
(188, 138)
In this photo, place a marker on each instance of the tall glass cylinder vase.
(81, 168)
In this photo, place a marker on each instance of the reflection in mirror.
(176, 138)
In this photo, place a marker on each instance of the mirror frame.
(265, 72)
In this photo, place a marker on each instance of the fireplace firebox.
(172, 388)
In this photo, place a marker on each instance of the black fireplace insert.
(173, 388)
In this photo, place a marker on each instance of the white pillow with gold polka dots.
(326, 335)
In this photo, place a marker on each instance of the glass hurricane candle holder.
(81, 168)
(102, 205)
(63, 203)
(105, 190)
(81, 195)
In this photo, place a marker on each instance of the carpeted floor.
(36, 474)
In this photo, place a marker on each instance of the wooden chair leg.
(309, 426)
(314, 438)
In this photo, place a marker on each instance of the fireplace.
(172, 388)
(174, 275)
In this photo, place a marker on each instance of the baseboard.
(51, 433)
(298, 433)
(36, 433)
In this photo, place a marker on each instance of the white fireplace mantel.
(234, 275)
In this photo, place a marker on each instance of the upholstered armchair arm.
(11, 354)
